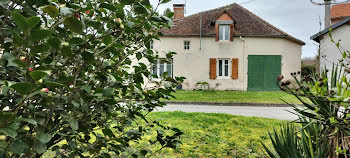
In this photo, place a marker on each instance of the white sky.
(299, 18)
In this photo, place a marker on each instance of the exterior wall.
(329, 52)
(194, 63)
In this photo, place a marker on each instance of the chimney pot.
(179, 11)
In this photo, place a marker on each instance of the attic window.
(224, 32)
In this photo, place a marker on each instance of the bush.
(308, 69)
(67, 82)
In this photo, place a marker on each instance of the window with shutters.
(223, 68)
(160, 66)
(224, 32)
(187, 45)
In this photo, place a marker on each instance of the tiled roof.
(340, 11)
(246, 24)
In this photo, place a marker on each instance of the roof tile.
(246, 24)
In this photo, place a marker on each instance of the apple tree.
(73, 78)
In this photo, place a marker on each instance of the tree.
(167, 12)
(73, 78)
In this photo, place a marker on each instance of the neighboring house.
(229, 47)
(340, 30)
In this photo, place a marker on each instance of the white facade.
(329, 52)
(194, 62)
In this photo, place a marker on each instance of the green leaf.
(73, 124)
(165, 1)
(39, 49)
(20, 21)
(31, 121)
(67, 52)
(108, 92)
(9, 132)
(33, 21)
(53, 84)
(44, 137)
(22, 87)
(54, 42)
(18, 147)
(3, 3)
(73, 24)
(39, 147)
(20, 63)
(88, 57)
(38, 74)
(76, 41)
(39, 35)
(108, 6)
(3, 144)
(51, 10)
(18, 39)
(107, 40)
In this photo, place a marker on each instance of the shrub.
(67, 82)
(308, 69)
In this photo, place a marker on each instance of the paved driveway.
(267, 112)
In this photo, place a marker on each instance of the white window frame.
(187, 45)
(222, 27)
(157, 66)
(223, 76)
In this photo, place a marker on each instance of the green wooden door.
(263, 71)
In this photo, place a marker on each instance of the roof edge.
(239, 35)
(316, 37)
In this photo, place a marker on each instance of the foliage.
(234, 97)
(325, 101)
(215, 135)
(167, 12)
(308, 69)
(71, 68)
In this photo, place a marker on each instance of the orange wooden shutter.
(234, 68)
(231, 32)
(216, 32)
(212, 68)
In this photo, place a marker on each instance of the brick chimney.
(339, 12)
(179, 11)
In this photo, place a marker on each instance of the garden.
(72, 81)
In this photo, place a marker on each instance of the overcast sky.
(299, 18)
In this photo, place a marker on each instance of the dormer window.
(224, 27)
(224, 32)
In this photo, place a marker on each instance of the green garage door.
(263, 71)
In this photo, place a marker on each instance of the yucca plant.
(324, 116)
(293, 142)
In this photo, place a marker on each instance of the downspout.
(244, 53)
(200, 33)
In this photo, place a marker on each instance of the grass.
(217, 135)
(210, 135)
(273, 97)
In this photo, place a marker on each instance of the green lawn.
(234, 97)
(217, 135)
(210, 135)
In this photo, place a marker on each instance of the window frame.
(158, 61)
(229, 68)
(224, 32)
(187, 45)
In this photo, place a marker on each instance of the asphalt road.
(280, 113)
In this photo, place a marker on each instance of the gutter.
(238, 35)
(244, 53)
